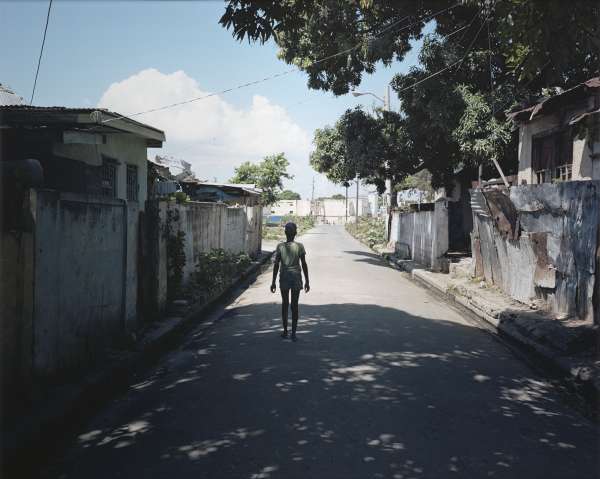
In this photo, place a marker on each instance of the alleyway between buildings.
(386, 381)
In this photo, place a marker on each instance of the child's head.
(290, 231)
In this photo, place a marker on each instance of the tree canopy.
(336, 42)
(288, 195)
(267, 175)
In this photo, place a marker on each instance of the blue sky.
(93, 45)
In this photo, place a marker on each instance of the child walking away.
(290, 255)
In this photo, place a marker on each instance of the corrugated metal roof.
(9, 97)
(546, 104)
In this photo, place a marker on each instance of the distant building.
(289, 207)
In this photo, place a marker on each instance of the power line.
(287, 72)
(41, 52)
(458, 62)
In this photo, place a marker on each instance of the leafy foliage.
(267, 175)
(175, 254)
(559, 39)
(370, 231)
(217, 269)
(372, 147)
(288, 195)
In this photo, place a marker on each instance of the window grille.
(108, 179)
(552, 157)
(132, 183)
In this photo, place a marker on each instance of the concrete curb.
(560, 363)
(67, 405)
(565, 366)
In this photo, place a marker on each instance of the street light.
(359, 93)
(386, 107)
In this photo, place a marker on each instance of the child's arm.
(275, 271)
(305, 269)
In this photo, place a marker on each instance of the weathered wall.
(210, 226)
(541, 243)
(422, 236)
(16, 290)
(235, 230)
(85, 277)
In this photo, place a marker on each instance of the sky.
(137, 55)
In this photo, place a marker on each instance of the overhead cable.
(287, 72)
(41, 53)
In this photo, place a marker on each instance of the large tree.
(371, 147)
(538, 42)
(267, 175)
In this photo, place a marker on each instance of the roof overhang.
(90, 120)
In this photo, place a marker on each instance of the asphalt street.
(386, 381)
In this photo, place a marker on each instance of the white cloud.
(211, 134)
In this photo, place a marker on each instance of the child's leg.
(285, 306)
(295, 296)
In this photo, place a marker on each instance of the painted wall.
(422, 236)
(542, 244)
(210, 226)
(85, 278)
(289, 207)
(332, 211)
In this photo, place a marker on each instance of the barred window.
(108, 178)
(132, 182)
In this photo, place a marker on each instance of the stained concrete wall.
(422, 236)
(542, 244)
(85, 277)
(207, 226)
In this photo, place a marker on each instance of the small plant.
(217, 269)
(175, 254)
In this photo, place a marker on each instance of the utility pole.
(356, 206)
(346, 184)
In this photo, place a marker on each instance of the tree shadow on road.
(367, 392)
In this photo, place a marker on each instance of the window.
(552, 157)
(132, 183)
(108, 178)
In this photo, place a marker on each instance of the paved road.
(385, 382)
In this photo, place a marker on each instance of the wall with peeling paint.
(541, 242)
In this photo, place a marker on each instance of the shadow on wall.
(367, 392)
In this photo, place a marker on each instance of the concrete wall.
(422, 236)
(210, 226)
(85, 277)
(289, 207)
(332, 211)
(541, 243)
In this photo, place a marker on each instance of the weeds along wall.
(196, 227)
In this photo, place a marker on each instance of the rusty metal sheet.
(503, 213)
(545, 272)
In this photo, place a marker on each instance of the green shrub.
(217, 269)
